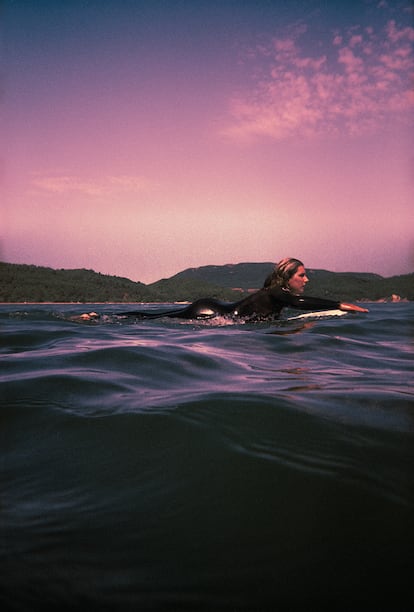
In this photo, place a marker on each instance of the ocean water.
(184, 465)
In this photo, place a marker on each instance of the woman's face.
(297, 282)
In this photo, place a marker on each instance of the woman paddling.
(282, 288)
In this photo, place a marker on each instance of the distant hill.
(181, 288)
(243, 276)
(322, 283)
(27, 283)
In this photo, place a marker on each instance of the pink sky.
(142, 140)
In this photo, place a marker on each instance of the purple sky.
(142, 138)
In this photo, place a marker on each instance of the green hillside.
(335, 285)
(180, 288)
(27, 283)
(234, 276)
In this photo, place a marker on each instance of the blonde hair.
(283, 272)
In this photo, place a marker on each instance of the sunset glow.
(143, 138)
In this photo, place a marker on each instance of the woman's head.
(289, 274)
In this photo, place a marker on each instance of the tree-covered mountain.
(244, 276)
(27, 283)
(335, 285)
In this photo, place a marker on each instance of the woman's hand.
(352, 308)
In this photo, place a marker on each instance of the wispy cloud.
(359, 79)
(134, 184)
(63, 184)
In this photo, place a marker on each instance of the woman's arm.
(305, 302)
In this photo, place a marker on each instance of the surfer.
(282, 288)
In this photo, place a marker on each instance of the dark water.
(162, 465)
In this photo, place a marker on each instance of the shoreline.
(364, 301)
(83, 303)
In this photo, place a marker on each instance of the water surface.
(184, 465)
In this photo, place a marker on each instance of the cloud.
(134, 184)
(65, 184)
(108, 186)
(359, 79)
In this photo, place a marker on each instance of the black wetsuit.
(264, 304)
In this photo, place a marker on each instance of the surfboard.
(319, 314)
